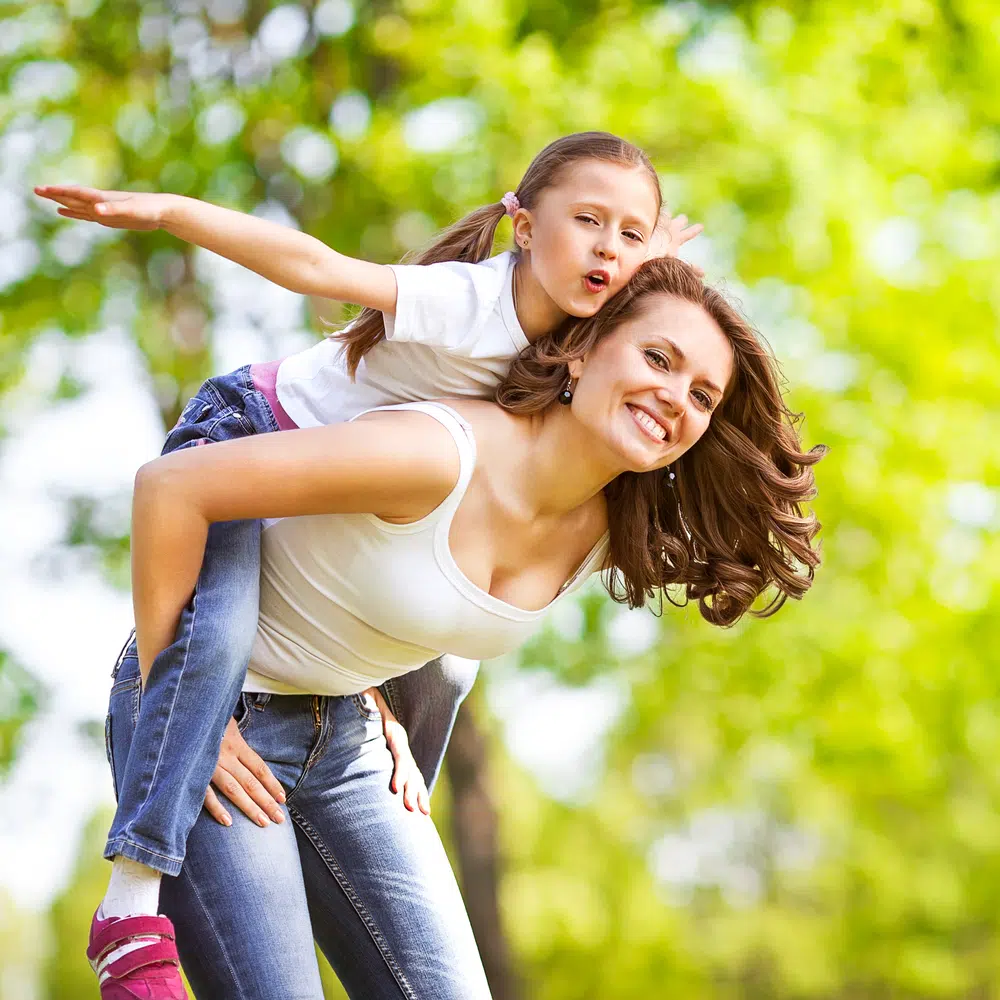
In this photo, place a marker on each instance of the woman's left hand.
(406, 777)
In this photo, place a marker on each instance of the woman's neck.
(536, 312)
(560, 467)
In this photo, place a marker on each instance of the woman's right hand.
(243, 777)
(117, 209)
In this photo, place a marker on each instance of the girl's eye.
(633, 235)
(658, 359)
(588, 218)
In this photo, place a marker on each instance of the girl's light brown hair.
(733, 526)
(471, 238)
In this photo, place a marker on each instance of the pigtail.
(470, 240)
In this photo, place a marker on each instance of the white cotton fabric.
(349, 600)
(454, 333)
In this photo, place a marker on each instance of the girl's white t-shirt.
(454, 333)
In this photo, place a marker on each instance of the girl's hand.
(116, 209)
(671, 233)
(243, 777)
(406, 776)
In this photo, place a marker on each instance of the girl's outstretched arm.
(279, 253)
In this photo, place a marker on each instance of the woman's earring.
(670, 477)
(566, 396)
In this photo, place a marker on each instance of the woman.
(454, 528)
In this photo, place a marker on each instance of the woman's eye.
(587, 218)
(632, 235)
(704, 400)
(658, 359)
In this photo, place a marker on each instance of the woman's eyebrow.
(682, 357)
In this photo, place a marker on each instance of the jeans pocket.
(242, 712)
(367, 706)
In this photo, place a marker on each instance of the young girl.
(584, 216)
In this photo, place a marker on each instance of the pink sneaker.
(151, 972)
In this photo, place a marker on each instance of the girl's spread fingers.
(214, 809)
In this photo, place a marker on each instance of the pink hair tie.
(510, 203)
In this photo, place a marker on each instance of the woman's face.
(648, 389)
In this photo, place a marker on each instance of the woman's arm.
(283, 255)
(398, 465)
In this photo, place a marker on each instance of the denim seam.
(126, 833)
(114, 848)
(362, 911)
(392, 697)
(220, 938)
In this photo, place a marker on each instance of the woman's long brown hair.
(471, 238)
(733, 527)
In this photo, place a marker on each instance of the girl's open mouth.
(596, 281)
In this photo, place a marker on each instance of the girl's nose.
(607, 248)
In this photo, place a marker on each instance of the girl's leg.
(386, 908)
(239, 905)
(195, 682)
(426, 702)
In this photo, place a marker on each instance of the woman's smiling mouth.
(649, 425)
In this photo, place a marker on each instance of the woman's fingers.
(257, 792)
(227, 783)
(216, 810)
(254, 763)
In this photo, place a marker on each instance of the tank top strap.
(465, 441)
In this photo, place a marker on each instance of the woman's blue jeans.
(195, 682)
(353, 869)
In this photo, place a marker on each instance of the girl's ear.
(522, 228)
(576, 367)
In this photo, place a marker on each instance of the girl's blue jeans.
(350, 867)
(195, 683)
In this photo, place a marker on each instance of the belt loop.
(121, 654)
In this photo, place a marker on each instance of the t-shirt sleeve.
(441, 305)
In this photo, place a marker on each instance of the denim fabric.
(195, 682)
(353, 869)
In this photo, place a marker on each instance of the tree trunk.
(475, 835)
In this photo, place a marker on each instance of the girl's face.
(588, 233)
(647, 391)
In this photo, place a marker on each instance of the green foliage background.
(805, 807)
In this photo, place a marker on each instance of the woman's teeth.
(647, 423)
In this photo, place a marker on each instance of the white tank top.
(349, 600)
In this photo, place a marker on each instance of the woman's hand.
(243, 777)
(406, 777)
(671, 233)
(116, 209)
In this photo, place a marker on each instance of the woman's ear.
(576, 367)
